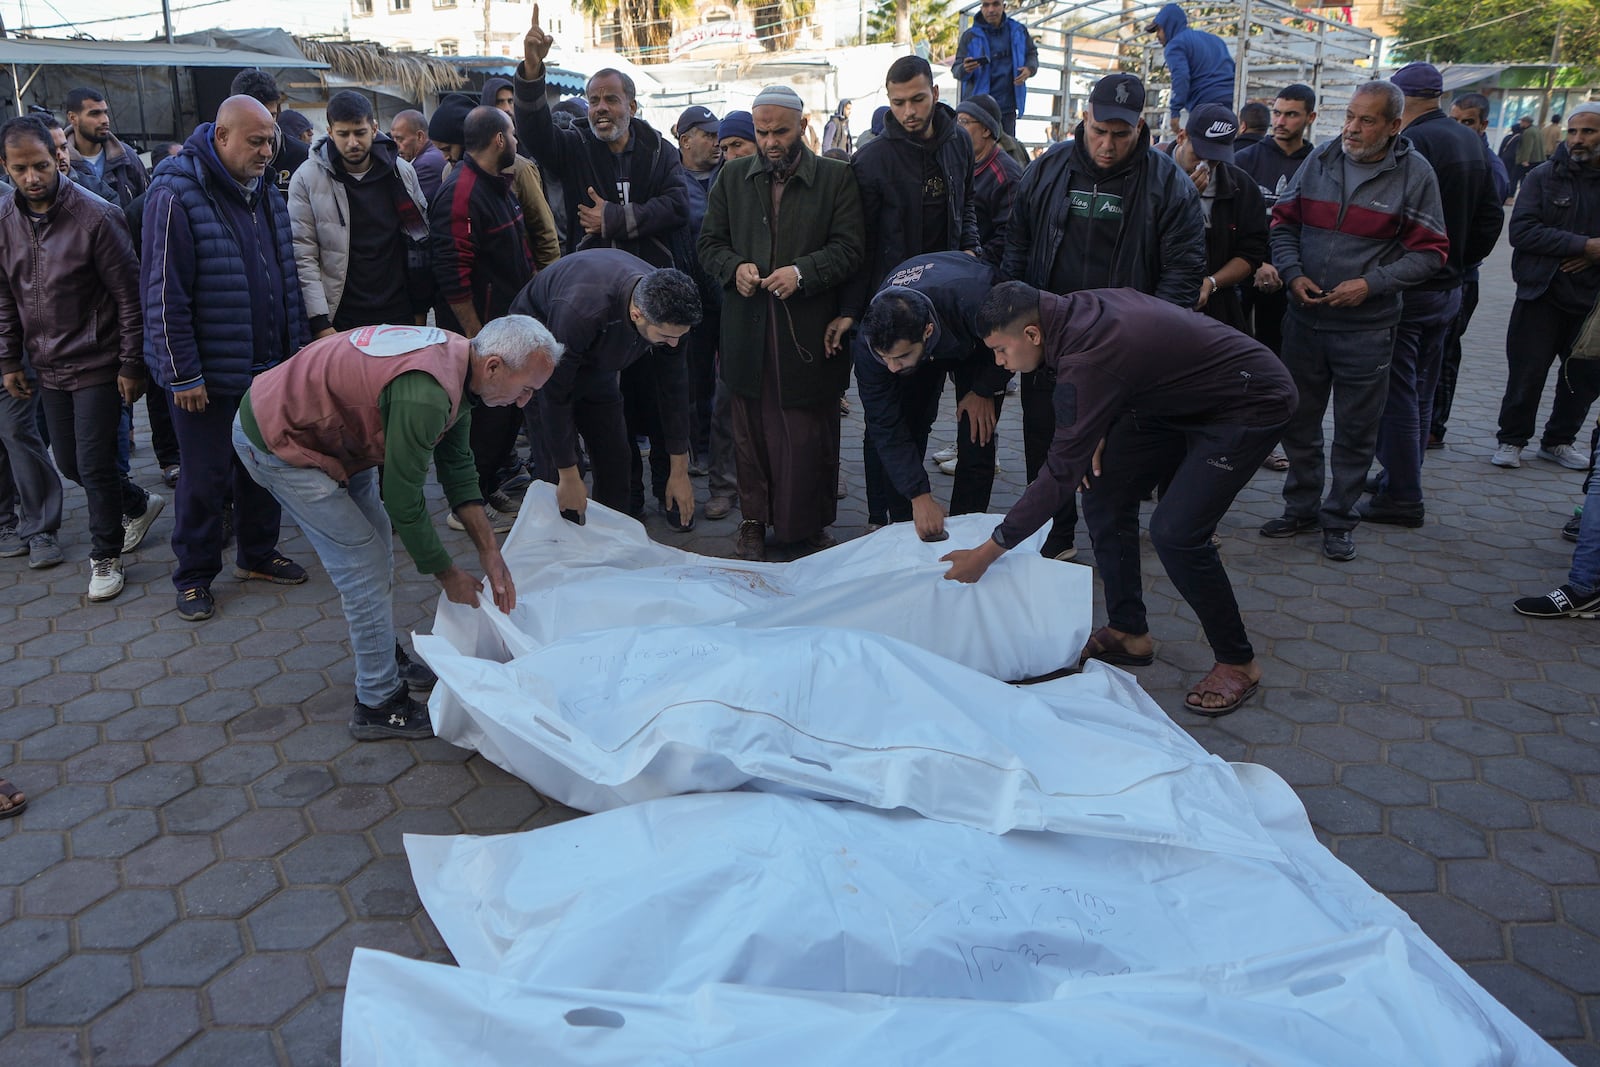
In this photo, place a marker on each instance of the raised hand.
(535, 46)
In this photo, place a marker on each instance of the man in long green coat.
(782, 232)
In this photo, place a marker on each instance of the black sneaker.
(196, 605)
(1561, 603)
(1338, 545)
(1574, 524)
(1287, 526)
(1382, 508)
(415, 675)
(399, 716)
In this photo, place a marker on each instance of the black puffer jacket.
(1160, 249)
(890, 174)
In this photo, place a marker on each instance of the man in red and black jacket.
(481, 261)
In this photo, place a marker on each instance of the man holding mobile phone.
(1359, 223)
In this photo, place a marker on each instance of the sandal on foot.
(1277, 461)
(1227, 682)
(1107, 649)
(9, 791)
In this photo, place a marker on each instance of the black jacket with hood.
(647, 206)
(1160, 247)
(889, 172)
(1237, 228)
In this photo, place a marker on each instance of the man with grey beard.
(780, 296)
(1359, 223)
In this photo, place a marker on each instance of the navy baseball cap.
(1211, 131)
(696, 117)
(1117, 98)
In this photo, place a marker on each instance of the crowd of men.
(643, 313)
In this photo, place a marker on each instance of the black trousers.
(701, 357)
(1038, 430)
(597, 416)
(1540, 333)
(919, 396)
(493, 434)
(1206, 465)
(83, 436)
(209, 471)
(163, 439)
(1264, 312)
(1444, 394)
(641, 410)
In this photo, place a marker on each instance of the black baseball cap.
(1117, 98)
(1211, 131)
(696, 116)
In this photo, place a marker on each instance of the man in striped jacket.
(1359, 224)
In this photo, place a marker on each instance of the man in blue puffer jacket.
(223, 304)
(996, 56)
(1199, 63)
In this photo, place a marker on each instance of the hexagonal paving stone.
(350, 808)
(127, 920)
(97, 706)
(1339, 811)
(260, 990)
(68, 888)
(389, 835)
(188, 744)
(442, 784)
(31, 946)
(1499, 891)
(319, 743)
(77, 989)
(1462, 932)
(264, 833)
(312, 1035)
(291, 786)
(1568, 957)
(1294, 765)
(106, 762)
(207, 808)
(1436, 763)
(229, 888)
(386, 935)
(142, 723)
(114, 833)
(41, 1046)
(1389, 866)
(145, 1028)
(1484, 805)
(296, 919)
(220, 706)
(1527, 778)
(265, 724)
(66, 806)
(1438, 833)
(168, 860)
(190, 952)
(1389, 786)
(236, 1048)
(1547, 858)
(1551, 1012)
(373, 764)
(59, 742)
(153, 785)
(384, 890)
(326, 859)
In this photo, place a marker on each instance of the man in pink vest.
(320, 429)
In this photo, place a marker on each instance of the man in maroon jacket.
(1128, 417)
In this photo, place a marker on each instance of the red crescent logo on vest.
(395, 340)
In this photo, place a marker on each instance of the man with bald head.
(223, 302)
(410, 132)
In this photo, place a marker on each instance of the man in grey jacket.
(356, 209)
(1359, 223)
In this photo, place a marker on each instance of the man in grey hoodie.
(1359, 223)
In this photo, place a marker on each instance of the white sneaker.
(1566, 455)
(133, 530)
(497, 522)
(947, 466)
(944, 454)
(105, 578)
(1507, 456)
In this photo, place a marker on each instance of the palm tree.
(778, 22)
(642, 26)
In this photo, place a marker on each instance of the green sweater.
(414, 408)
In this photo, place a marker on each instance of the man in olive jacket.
(782, 232)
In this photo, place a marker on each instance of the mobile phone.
(574, 516)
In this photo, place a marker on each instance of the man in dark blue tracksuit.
(921, 326)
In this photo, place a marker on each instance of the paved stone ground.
(206, 845)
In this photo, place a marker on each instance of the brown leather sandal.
(1106, 648)
(1224, 681)
(11, 792)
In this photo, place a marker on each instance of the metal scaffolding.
(1273, 43)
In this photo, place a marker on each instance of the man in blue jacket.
(996, 56)
(1199, 63)
(221, 305)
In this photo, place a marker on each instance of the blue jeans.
(350, 530)
(1419, 346)
(1585, 574)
